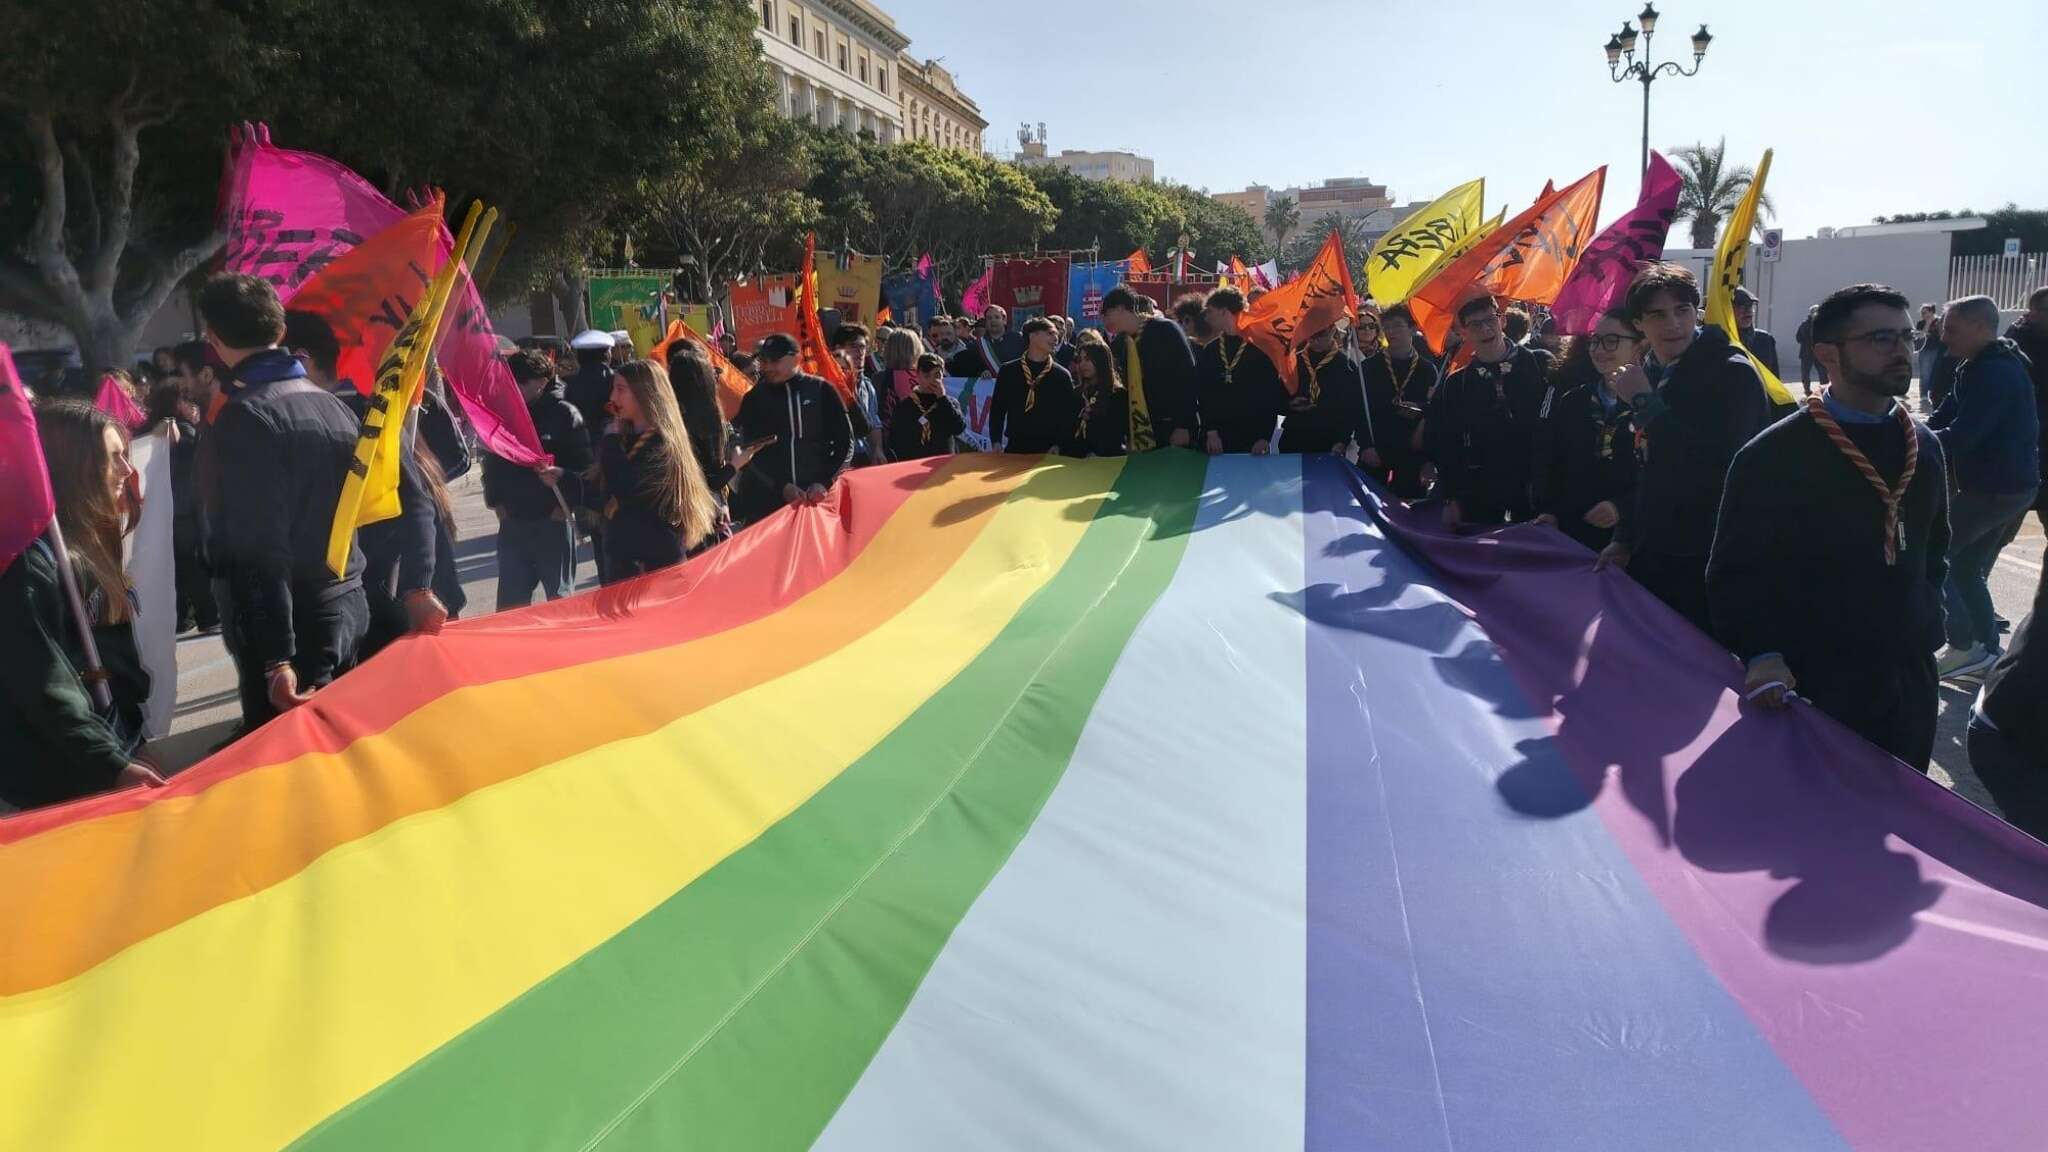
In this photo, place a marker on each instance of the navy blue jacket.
(1988, 426)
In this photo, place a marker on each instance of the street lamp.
(1622, 47)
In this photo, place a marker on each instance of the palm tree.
(1282, 216)
(1709, 190)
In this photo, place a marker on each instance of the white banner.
(152, 569)
(974, 396)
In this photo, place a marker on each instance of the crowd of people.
(1838, 546)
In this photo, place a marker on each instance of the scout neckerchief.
(1134, 383)
(1031, 380)
(1315, 372)
(1230, 361)
(1894, 529)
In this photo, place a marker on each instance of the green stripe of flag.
(739, 1013)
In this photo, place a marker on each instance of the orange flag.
(366, 295)
(813, 354)
(1140, 263)
(1528, 258)
(732, 383)
(1288, 315)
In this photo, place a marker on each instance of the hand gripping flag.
(1729, 258)
(1405, 257)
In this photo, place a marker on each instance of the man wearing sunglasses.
(1832, 545)
(1481, 427)
(1697, 400)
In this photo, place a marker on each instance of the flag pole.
(95, 672)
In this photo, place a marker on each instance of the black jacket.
(2015, 696)
(1239, 404)
(1103, 426)
(1709, 404)
(923, 425)
(398, 554)
(1032, 418)
(1328, 407)
(1168, 362)
(630, 474)
(590, 390)
(1396, 394)
(1585, 454)
(2032, 341)
(813, 443)
(1798, 559)
(1765, 346)
(517, 490)
(54, 745)
(1482, 431)
(283, 446)
(972, 363)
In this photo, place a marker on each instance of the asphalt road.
(207, 709)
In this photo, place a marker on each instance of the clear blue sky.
(1877, 107)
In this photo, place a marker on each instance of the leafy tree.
(559, 115)
(1357, 245)
(2029, 224)
(1117, 216)
(1710, 188)
(724, 209)
(1283, 216)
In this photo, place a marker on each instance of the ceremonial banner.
(629, 303)
(1435, 303)
(863, 834)
(698, 316)
(289, 214)
(733, 384)
(851, 284)
(1086, 286)
(1288, 315)
(815, 355)
(1402, 259)
(1166, 291)
(914, 296)
(26, 506)
(1027, 288)
(762, 307)
(151, 565)
(1600, 282)
(1729, 257)
(367, 293)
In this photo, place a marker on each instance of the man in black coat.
(536, 545)
(1482, 423)
(793, 434)
(1327, 412)
(283, 446)
(1238, 385)
(590, 388)
(2008, 736)
(1399, 380)
(986, 353)
(1832, 545)
(1697, 401)
(2030, 335)
(1158, 366)
(1761, 343)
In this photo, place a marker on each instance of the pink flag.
(290, 214)
(1601, 279)
(975, 299)
(113, 399)
(26, 506)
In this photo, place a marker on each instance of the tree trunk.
(571, 302)
(1704, 226)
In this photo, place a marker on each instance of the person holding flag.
(1697, 400)
(1399, 380)
(284, 447)
(1482, 423)
(1328, 411)
(1240, 390)
(1158, 367)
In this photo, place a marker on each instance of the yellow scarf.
(1134, 384)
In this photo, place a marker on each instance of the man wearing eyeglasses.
(1697, 400)
(1990, 433)
(1831, 550)
(1481, 426)
(1399, 381)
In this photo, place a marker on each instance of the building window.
(796, 32)
(863, 69)
(882, 79)
(842, 57)
(819, 38)
(768, 15)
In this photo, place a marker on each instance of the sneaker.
(1955, 662)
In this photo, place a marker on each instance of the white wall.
(1914, 263)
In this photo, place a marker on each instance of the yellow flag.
(369, 493)
(1728, 260)
(1424, 242)
(1470, 241)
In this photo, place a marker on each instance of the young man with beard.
(1158, 367)
(1327, 412)
(1399, 380)
(1239, 388)
(986, 352)
(940, 340)
(1831, 550)
(1482, 423)
(1697, 401)
(1034, 407)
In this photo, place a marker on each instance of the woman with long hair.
(696, 385)
(1585, 467)
(656, 504)
(900, 353)
(1103, 428)
(55, 744)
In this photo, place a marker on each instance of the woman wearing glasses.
(1585, 477)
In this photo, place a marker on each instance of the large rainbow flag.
(1001, 803)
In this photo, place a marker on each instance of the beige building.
(1349, 196)
(1093, 165)
(1253, 200)
(835, 64)
(934, 108)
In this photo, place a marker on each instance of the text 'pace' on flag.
(1729, 258)
(1537, 229)
(1284, 318)
(1420, 244)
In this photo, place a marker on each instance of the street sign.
(2012, 247)
(1774, 244)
